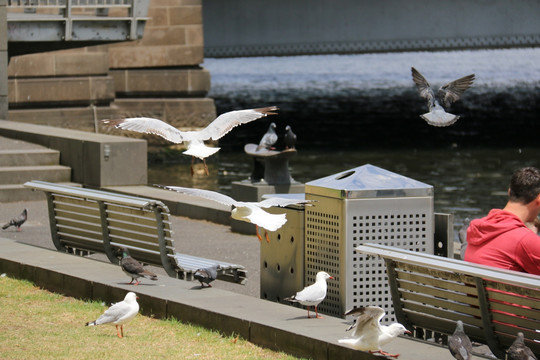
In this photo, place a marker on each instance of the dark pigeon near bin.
(459, 344)
(18, 221)
(289, 138)
(519, 351)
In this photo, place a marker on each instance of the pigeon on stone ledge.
(518, 350)
(206, 275)
(18, 221)
(459, 344)
(289, 138)
(269, 138)
(134, 269)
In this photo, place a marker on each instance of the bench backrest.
(95, 220)
(432, 292)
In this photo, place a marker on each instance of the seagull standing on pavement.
(251, 212)
(459, 344)
(134, 269)
(206, 275)
(194, 139)
(519, 351)
(269, 138)
(447, 94)
(119, 314)
(313, 294)
(369, 334)
(18, 221)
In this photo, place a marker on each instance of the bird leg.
(266, 235)
(191, 168)
(131, 282)
(384, 353)
(118, 332)
(317, 316)
(257, 232)
(137, 282)
(308, 312)
(206, 167)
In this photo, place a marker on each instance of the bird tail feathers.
(6, 226)
(440, 118)
(91, 323)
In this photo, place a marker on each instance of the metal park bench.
(85, 221)
(431, 292)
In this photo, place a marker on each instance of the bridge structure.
(235, 28)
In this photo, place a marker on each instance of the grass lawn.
(38, 324)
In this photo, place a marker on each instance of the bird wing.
(114, 313)
(270, 222)
(132, 266)
(311, 293)
(422, 85)
(452, 91)
(281, 202)
(229, 120)
(206, 194)
(149, 126)
(369, 317)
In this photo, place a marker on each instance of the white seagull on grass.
(369, 334)
(251, 212)
(447, 94)
(119, 314)
(194, 139)
(313, 294)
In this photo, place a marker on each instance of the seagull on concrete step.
(269, 138)
(313, 294)
(447, 94)
(194, 139)
(251, 212)
(459, 344)
(369, 334)
(119, 314)
(18, 221)
(206, 275)
(134, 269)
(519, 351)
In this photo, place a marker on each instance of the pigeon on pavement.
(519, 351)
(459, 344)
(251, 212)
(194, 139)
(447, 94)
(206, 275)
(289, 138)
(313, 294)
(18, 221)
(369, 334)
(134, 269)
(269, 138)
(119, 314)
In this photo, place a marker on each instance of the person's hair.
(524, 185)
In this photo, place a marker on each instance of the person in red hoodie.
(502, 239)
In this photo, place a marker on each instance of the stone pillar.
(3, 61)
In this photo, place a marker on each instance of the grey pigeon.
(519, 351)
(119, 314)
(18, 221)
(206, 275)
(462, 235)
(134, 269)
(459, 344)
(313, 294)
(289, 138)
(269, 138)
(446, 95)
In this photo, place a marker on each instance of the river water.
(353, 110)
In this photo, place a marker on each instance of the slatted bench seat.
(432, 292)
(85, 221)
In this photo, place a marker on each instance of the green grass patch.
(38, 324)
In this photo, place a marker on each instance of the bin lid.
(367, 181)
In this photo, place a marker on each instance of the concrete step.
(21, 174)
(29, 157)
(18, 192)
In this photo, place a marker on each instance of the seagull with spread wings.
(194, 139)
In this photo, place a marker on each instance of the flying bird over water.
(313, 294)
(269, 138)
(18, 221)
(251, 212)
(206, 275)
(134, 269)
(194, 140)
(290, 138)
(459, 344)
(369, 334)
(519, 351)
(446, 95)
(119, 314)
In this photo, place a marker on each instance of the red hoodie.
(502, 240)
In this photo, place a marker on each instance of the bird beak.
(331, 277)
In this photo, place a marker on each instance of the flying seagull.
(251, 212)
(206, 275)
(18, 221)
(519, 351)
(269, 138)
(134, 269)
(369, 334)
(119, 314)
(446, 95)
(459, 344)
(313, 294)
(289, 137)
(194, 139)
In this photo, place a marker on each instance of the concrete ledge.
(268, 324)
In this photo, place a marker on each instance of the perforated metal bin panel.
(363, 205)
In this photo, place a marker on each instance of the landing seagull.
(251, 212)
(194, 139)
(459, 344)
(313, 294)
(447, 94)
(119, 314)
(369, 334)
